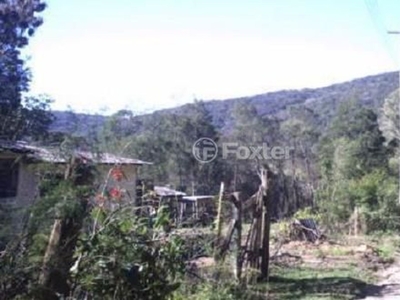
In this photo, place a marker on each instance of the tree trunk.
(51, 251)
(58, 258)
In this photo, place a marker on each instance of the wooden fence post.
(218, 224)
(237, 215)
(267, 191)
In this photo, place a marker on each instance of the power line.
(374, 12)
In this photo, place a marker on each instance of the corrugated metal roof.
(54, 155)
(199, 197)
(16, 147)
(166, 191)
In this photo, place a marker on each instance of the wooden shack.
(197, 209)
(184, 210)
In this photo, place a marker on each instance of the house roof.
(55, 155)
(198, 197)
(166, 191)
(15, 147)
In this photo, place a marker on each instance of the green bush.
(307, 213)
(124, 258)
(375, 194)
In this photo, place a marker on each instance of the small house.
(183, 209)
(198, 208)
(164, 195)
(20, 169)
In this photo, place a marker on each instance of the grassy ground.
(318, 283)
(347, 268)
(298, 282)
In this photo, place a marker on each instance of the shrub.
(124, 258)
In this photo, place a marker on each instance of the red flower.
(116, 193)
(117, 174)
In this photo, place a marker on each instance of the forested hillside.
(370, 91)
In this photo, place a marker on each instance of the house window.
(8, 178)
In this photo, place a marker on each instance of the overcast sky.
(145, 54)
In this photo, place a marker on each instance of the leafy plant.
(124, 258)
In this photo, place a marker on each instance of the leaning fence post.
(219, 221)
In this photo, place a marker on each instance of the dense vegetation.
(85, 240)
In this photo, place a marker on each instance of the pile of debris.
(305, 230)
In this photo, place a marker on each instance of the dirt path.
(389, 287)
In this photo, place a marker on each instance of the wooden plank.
(219, 221)
(237, 215)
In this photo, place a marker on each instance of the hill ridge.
(370, 91)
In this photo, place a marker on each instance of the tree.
(354, 163)
(167, 140)
(198, 123)
(301, 131)
(390, 120)
(390, 126)
(250, 130)
(18, 22)
(31, 120)
(356, 135)
(117, 128)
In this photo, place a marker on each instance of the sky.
(102, 56)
